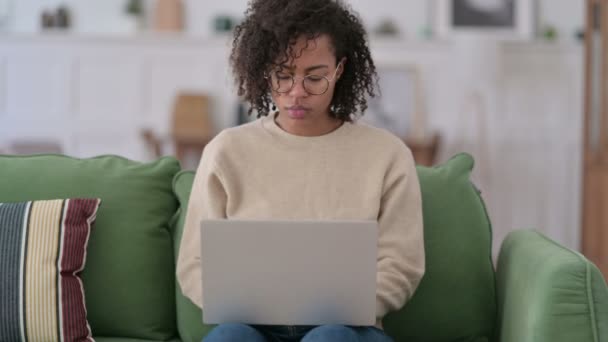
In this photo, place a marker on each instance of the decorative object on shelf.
(169, 15)
(549, 33)
(387, 27)
(60, 18)
(47, 20)
(223, 23)
(63, 17)
(135, 10)
(505, 19)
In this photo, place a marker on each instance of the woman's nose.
(298, 89)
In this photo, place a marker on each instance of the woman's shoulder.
(236, 135)
(379, 138)
(233, 139)
(386, 149)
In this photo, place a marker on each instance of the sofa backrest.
(456, 299)
(129, 266)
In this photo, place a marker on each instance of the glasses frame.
(294, 79)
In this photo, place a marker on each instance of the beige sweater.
(259, 171)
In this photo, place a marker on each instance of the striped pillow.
(42, 252)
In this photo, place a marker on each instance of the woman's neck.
(307, 128)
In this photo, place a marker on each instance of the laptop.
(289, 272)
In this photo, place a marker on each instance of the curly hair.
(266, 37)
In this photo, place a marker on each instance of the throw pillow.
(42, 252)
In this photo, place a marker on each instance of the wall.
(95, 95)
(527, 147)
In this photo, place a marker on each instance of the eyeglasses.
(282, 82)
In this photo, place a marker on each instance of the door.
(595, 158)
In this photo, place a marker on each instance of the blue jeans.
(262, 333)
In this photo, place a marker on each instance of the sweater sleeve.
(401, 260)
(207, 200)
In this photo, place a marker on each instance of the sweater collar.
(269, 124)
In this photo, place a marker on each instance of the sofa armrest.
(547, 292)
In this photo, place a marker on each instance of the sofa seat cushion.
(121, 339)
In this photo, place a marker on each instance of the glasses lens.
(281, 82)
(316, 85)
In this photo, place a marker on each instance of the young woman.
(306, 69)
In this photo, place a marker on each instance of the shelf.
(118, 38)
(225, 41)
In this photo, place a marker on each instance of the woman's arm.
(207, 200)
(400, 237)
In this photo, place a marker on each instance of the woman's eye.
(281, 76)
(315, 78)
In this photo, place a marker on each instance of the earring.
(274, 108)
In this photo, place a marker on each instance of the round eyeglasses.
(282, 82)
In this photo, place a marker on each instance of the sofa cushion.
(42, 252)
(130, 263)
(548, 293)
(189, 316)
(456, 299)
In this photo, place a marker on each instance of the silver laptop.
(289, 272)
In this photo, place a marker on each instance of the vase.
(169, 15)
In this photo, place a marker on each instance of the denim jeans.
(264, 333)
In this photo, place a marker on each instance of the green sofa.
(540, 291)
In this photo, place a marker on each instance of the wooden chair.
(425, 151)
(191, 128)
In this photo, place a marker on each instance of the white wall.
(409, 15)
(534, 108)
(94, 95)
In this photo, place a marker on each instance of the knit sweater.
(356, 172)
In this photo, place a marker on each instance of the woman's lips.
(297, 112)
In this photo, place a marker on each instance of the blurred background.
(519, 84)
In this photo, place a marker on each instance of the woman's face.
(303, 103)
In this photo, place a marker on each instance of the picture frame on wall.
(399, 106)
(505, 19)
